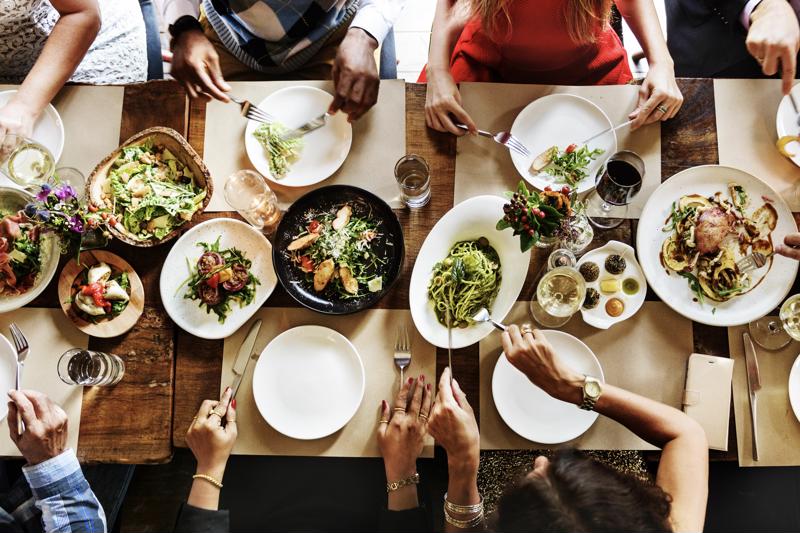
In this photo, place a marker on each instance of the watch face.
(592, 389)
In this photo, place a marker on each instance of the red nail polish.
(410, 381)
(383, 403)
(422, 377)
(428, 386)
(233, 403)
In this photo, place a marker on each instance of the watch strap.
(183, 24)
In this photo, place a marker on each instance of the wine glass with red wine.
(617, 183)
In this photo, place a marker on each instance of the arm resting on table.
(196, 520)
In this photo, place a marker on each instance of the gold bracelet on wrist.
(463, 524)
(462, 509)
(392, 486)
(214, 481)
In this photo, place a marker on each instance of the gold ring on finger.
(383, 421)
(424, 417)
(399, 409)
(526, 328)
(214, 412)
(662, 108)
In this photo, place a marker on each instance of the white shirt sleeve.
(377, 17)
(744, 17)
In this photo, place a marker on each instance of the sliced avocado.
(166, 155)
(375, 284)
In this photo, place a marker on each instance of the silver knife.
(753, 385)
(608, 130)
(243, 356)
(308, 127)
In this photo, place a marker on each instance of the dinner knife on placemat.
(244, 355)
(753, 385)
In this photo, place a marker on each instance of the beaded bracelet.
(214, 481)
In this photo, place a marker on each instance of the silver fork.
(752, 261)
(308, 127)
(505, 138)
(402, 351)
(252, 112)
(22, 347)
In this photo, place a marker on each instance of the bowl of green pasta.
(466, 264)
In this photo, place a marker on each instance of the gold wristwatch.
(592, 390)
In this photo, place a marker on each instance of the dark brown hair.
(579, 494)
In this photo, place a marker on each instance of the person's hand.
(774, 39)
(211, 442)
(790, 247)
(403, 427)
(355, 75)
(443, 102)
(659, 96)
(452, 423)
(534, 356)
(195, 63)
(16, 117)
(45, 433)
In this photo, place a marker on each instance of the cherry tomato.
(313, 227)
(540, 214)
(548, 188)
(571, 148)
(565, 190)
(213, 281)
(96, 290)
(93, 208)
(306, 264)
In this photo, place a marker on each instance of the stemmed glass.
(616, 184)
(247, 192)
(773, 334)
(560, 292)
(26, 162)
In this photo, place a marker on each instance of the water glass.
(247, 192)
(87, 367)
(616, 184)
(26, 162)
(414, 179)
(73, 177)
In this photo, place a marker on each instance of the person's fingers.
(756, 49)
(792, 239)
(41, 403)
(448, 124)
(205, 409)
(435, 123)
(13, 428)
(342, 88)
(189, 86)
(515, 334)
(538, 336)
(505, 339)
(208, 86)
(24, 406)
(224, 400)
(401, 401)
(788, 69)
(230, 418)
(787, 251)
(445, 389)
(461, 397)
(416, 398)
(770, 65)
(215, 71)
(427, 400)
(463, 117)
(386, 414)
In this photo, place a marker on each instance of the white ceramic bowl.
(48, 130)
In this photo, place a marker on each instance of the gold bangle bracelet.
(462, 509)
(463, 524)
(214, 481)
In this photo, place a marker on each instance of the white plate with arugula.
(309, 159)
(214, 297)
(561, 120)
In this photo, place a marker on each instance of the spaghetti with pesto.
(466, 280)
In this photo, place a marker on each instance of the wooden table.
(688, 140)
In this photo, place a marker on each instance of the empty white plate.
(188, 314)
(324, 150)
(48, 130)
(532, 413)
(8, 371)
(308, 382)
(561, 120)
(794, 387)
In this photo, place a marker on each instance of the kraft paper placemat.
(778, 428)
(746, 134)
(373, 334)
(485, 167)
(645, 354)
(49, 334)
(91, 118)
(379, 140)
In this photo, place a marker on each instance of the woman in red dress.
(559, 42)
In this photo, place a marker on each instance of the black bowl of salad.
(338, 249)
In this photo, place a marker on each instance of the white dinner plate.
(794, 387)
(673, 289)
(786, 123)
(532, 413)
(48, 130)
(8, 370)
(188, 314)
(561, 120)
(324, 150)
(469, 220)
(308, 382)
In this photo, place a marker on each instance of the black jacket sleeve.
(196, 520)
(411, 520)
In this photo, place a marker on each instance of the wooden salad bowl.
(108, 327)
(182, 150)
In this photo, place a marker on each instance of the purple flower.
(65, 191)
(43, 215)
(44, 193)
(76, 223)
(30, 210)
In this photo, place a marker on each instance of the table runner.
(746, 134)
(373, 334)
(645, 354)
(484, 167)
(778, 428)
(378, 142)
(49, 334)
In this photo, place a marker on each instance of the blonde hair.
(584, 17)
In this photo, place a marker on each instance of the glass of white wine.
(775, 333)
(26, 162)
(247, 192)
(559, 295)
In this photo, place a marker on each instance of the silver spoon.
(484, 316)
